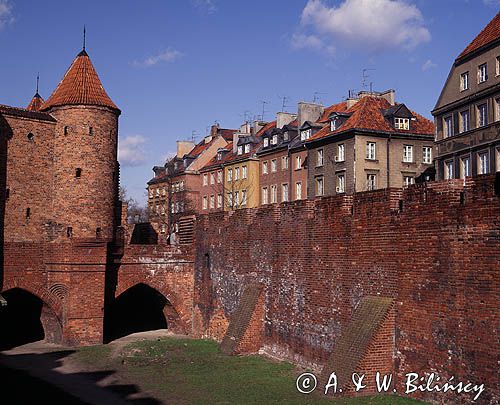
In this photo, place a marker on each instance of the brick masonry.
(433, 248)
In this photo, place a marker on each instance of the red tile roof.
(340, 107)
(35, 103)
(80, 85)
(368, 114)
(489, 34)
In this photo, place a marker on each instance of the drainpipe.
(388, 160)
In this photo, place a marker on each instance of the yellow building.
(241, 183)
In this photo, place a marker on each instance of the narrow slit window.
(69, 231)
(66, 130)
(28, 212)
(78, 173)
(91, 131)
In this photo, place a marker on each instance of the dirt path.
(54, 365)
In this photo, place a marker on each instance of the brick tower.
(85, 153)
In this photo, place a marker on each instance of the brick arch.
(178, 311)
(50, 317)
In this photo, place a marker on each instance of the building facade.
(467, 113)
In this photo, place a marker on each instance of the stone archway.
(27, 318)
(139, 308)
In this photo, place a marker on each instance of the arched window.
(91, 131)
(78, 173)
(66, 130)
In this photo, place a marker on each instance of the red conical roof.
(80, 85)
(35, 103)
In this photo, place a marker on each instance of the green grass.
(187, 371)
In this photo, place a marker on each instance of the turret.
(85, 153)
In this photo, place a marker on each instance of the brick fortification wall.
(433, 248)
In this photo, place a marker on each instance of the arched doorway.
(26, 319)
(138, 309)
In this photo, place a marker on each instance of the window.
(482, 73)
(247, 148)
(408, 153)
(91, 131)
(162, 210)
(205, 202)
(230, 175)
(497, 162)
(66, 130)
(236, 174)
(448, 170)
(78, 174)
(370, 150)
(319, 157)
(219, 176)
(319, 186)
(284, 192)
(212, 201)
(163, 191)
(482, 115)
(205, 179)
(298, 190)
(31, 137)
(236, 199)
(274, 140)
(157, 191)
(340, 183)
(265, 195)
(408, 180)
(219, 155)
(212, 178)
(333, 124)
(219, 200)
(266, 142)
(448, 127)
(230, 199)
(286, 136)
(483, 163)
(464, 81)
(244, 172)
(274, 194)
(371, 181)
(151, 194)
(427, 154)
(69, 231)
(306, 134)
(265, 168)
(497, 109)
(464, 121)
(274, 165)
(497, 67)
(402, 123)
(181, 185)
(298, 163)
(240, 149)
(464, 167)
(244, 197)
(340, 153)
(284, 163)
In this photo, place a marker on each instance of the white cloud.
(429, 64)
(6, 16)
(167, 56)
(375, 25)
(205, 5)
(303, 41)
(131, 150)
(493, 3)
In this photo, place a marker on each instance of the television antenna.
(364, 78)
(316, 96)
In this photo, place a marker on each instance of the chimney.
(236, 136)
(389, 95)
(184, 147)
(257, 126)
(284, 118)
(309, 112)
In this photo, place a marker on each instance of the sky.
(175, 67)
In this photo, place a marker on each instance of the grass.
(187, 371)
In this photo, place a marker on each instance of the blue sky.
(174, 67)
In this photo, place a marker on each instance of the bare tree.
(136, 212)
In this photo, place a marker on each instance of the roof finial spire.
(37, 81)
(84, 35)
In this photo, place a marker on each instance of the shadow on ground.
(32, 378)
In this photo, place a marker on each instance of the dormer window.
(266, 142)
(306, 134)
(176, 165)
(286, 137)
(402, 123)
(240, 149)
(247, 148)
(333, 124)
(274, 140)
(219, 155)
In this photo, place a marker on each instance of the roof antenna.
(37, 81)
(84, 36)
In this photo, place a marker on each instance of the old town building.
(467, 113)
(368, 142)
